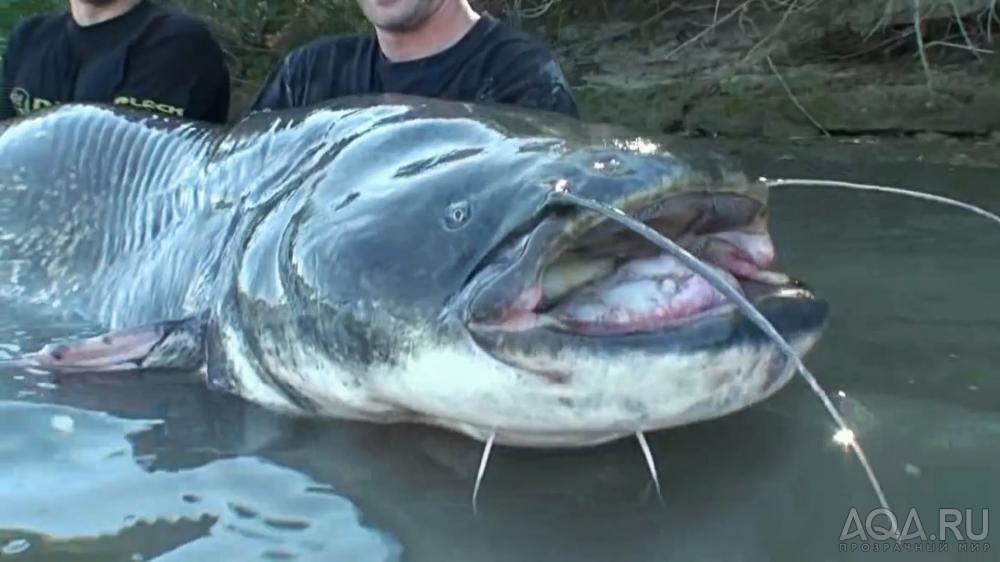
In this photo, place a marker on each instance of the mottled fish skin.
(320, 258)
(129, 217)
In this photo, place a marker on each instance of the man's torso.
(491, 63)
(57, 61)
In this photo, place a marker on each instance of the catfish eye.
(457, 214)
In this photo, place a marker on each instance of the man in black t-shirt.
(431, 48)
(125, 52)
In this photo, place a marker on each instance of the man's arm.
(178, 70)
(7, 73)
(274, 94)
(278, 91)
(6, 77)
(307, 74)
(533, 78)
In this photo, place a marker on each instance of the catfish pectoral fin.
(168, 344)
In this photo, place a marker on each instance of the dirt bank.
(764, 69)
(823, 68)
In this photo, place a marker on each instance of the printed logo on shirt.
(150, 105)
(24, 104)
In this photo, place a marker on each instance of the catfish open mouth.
(599, 279)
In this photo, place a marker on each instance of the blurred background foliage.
(13, 11)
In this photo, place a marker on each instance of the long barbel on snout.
(934, 198)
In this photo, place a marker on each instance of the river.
(156, 467)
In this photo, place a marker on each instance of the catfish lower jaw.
(541, 347)
(669, 317)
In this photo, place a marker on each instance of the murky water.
(156, 467)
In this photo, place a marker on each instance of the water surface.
(156, 467)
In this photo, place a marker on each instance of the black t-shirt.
(149, 57)
(493, 62)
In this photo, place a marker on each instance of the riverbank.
(782, 70)
(768, 73)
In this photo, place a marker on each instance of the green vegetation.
(13, 11)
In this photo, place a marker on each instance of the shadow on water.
(156, 467)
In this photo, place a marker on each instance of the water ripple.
(70, 475)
